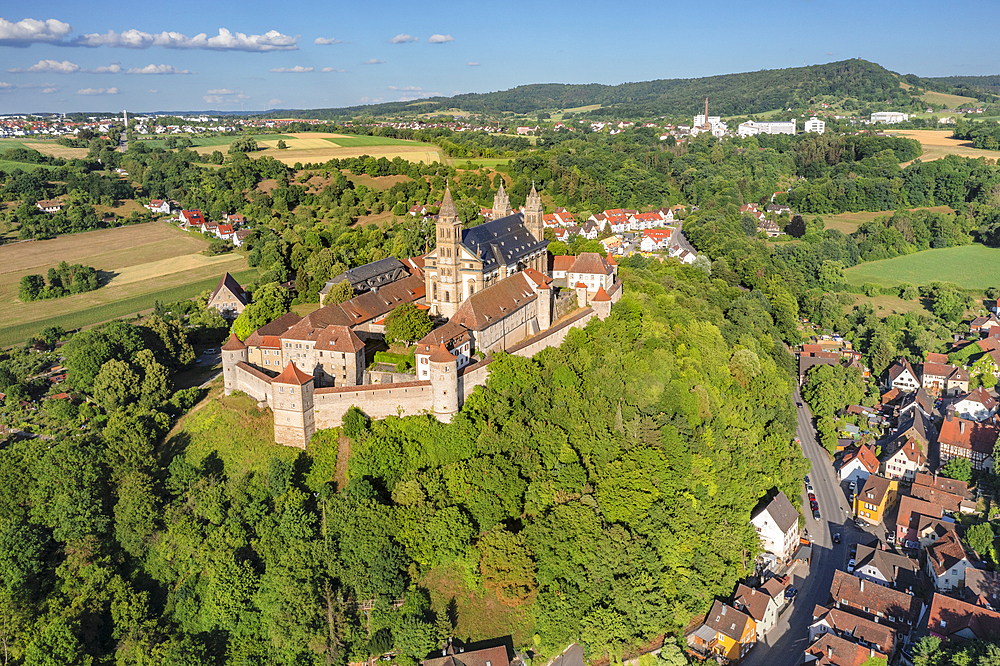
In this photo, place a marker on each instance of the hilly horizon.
(741, 93)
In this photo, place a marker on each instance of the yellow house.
(872, 501)
(735, 632)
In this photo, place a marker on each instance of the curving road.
(786, 643)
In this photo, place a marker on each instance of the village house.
(903, 460)
(877, 495)
(158, 206)
(884, 567)
(831, 650)
(902, 376)
(951, 495)
(961, 438)
(192, 219)
(874, 601)
(988, 326)
(917, 400)
(759, 605)
(769, 228)
(914, 425)
(592, 270)
(491, 656)
(947, 562)
(908, 517)
(49, 206)
(852, 627)
(978, 405)
(858, 465)
(656, 239)
(777, 524)
(982, 588)
(941, 378)
(228, 298)
(951, 618)
(735, 633)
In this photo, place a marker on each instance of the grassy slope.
(353, 141)
(969, 266)
(848, 223)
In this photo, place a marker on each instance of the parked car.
(807, 479)
(816, 514)
(890, 538)
(850, 566)
(209, 351)
(836, 537)
(814, 506)
(790, 593)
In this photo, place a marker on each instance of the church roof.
(501, 242)
(447, 204)
(492, 304)
(373, 274)
(292, 375)
(233, 344)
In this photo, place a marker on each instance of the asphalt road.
(786, 643)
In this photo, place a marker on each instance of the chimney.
(872, 652)
(829, 651)
(961, 427)
(862, 584)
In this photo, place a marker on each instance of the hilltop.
(855, 83)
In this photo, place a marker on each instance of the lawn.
(352, 141)
(887, 305)
(478, 162)
(8, 165)
(950, 101)
(848, 223)
(970, 266)
(207, 141)
(56, 150)
(139, 264)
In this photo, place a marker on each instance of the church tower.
(446, 293)
(501, 203)
(533, 215)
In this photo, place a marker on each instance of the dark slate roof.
(501, 242)
(229, 282)
(374, 274)
(782, 512)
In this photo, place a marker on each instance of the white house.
(814, 124)
(858, 465)
(759, 605)
(889, 117)
(903, 377)
(752, 127)
(656, 239)
(158, 206)
(885, 567)
(947, 562)
(777, 525)
(976, 406)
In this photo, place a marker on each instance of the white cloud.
(224, 41)
(221, 91)
(157, 69)
(327, 41)
(403, 38)
(298, 69)
(224, 96)
(440, 39)
(333, 69)
(418, 95)
(373, 61)
(6, 87)
(407, 88)
(369, 100)
(272, 102)
(64, 67)
(152, 92)
(110, 69)
(48, 91)
(472, 64)
(98, 91)
(30, 31)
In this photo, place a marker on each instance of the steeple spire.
(501, 203)
(447, 204)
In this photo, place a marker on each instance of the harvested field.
(848, 223)
(55, 150)
(938, 144)
(377, 182)
(139, 262)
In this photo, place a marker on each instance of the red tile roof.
(292, 375)
(970, 435)
(950, 616)
(233, 344)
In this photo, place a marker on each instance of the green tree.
(217, 157)
(282, 145)
(116, 385)
(244, 144)
(507, 566)
(31, 288)
(959, 469)
(269, 302)
(407, 323)
(340, 292)
(980, 538)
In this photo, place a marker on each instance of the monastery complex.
(491, 285)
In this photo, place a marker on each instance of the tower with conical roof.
(501, 203)
(444, 384)
(233, 353)
(292, 405)
(533, 221)
(446, 287)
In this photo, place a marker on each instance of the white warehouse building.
(814, 124)
(889, 117)
(752, 127)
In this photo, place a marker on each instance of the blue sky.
(146, 56)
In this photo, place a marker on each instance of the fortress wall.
(471, 377)
(552, 337)
(376, 400)
(253, 382)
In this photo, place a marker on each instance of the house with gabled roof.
(858, 465)
(884, 567)
(950, 502)
(777, 524)
(491, 656)
(908, 516)
(982, 588)
(593, 270)
(985, 326)
(855, 628)
(951, 619)
(759, 605)
(735, 632)
(961, 438)
(947, 562)
(902, 376)
(916, 400)
(831, 650)
(875, 497)
(228, 297)
(874, 601)
(978, 405)
(902, 460)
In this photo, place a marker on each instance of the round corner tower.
(233, 352)
(444, 384)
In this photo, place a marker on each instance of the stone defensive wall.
(552, 337)
(255, 383)
(376, 400)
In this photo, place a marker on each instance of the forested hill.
(729, 94)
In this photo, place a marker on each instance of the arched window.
(472, 287)
(447, 297)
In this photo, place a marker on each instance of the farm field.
(969, 266)
(938, 144)
(950, 101)
(887, 305)
(848, 223)
(55, 150)
(143, 263)
(7, 165)
(210, 141)
(320, 147)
